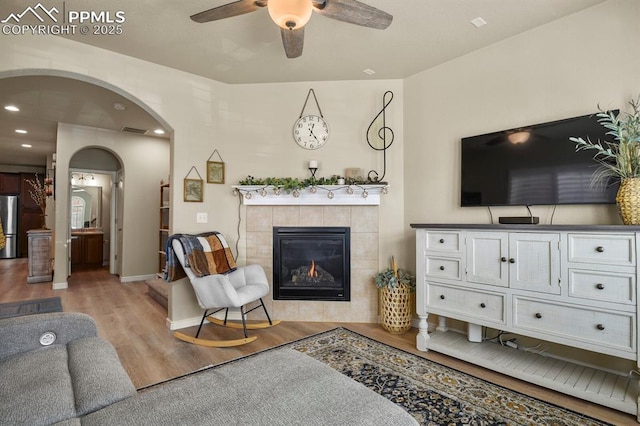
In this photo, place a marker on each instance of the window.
(77, 212)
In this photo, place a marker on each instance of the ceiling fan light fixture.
(290, 14)
(519, 136)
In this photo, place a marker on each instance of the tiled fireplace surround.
(363, 221)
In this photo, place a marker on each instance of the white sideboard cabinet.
(571, 285)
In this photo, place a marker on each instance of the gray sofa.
(55, 369)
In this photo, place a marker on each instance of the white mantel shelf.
(343, 195)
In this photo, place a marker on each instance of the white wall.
(559, 70)
(261, 143)
(250, 125)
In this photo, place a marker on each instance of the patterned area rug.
(432, 393)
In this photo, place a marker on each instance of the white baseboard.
(137, 278)
(190, 322)
(60, 286)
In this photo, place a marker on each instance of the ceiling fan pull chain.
(305, 103)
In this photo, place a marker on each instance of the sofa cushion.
(298, 390)
(35, 387)
(97, 376)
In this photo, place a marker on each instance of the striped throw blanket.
(205, 254)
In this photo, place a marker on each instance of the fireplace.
(311, 263)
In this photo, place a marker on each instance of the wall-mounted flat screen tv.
(534, 165)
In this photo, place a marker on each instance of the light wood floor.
(135, 324)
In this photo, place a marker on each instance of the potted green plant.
(395, 287)
(619, 159)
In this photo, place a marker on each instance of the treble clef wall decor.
(383, 137)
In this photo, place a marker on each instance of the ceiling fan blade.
(293, 41)
(353, 12)
(229, 10)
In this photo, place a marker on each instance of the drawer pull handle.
(442, 296)
(538, 315)
(600, 286)
(442, 268)
(441, 240)
(503, 259)
(482, 305)
(600, 327)
(600, 249)
(512, 260)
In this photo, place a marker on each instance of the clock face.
(311, 132)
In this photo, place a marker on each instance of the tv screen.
(536, 165)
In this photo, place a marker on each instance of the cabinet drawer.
(614, 330)
(614, 287)
(443, 267)
(469, 303)
(443, 241)
(616, 249)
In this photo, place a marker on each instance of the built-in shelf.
(332, 195)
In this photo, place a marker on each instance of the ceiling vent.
(134, 130)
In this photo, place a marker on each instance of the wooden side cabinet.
(39, 246)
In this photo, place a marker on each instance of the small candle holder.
(313, 172)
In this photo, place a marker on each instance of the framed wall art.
(193, 188)
(215, 169)
(215, 172)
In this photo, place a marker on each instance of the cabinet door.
(92, 250)
(9, 183)
(487, 255)
(76, 250)
(534, 262)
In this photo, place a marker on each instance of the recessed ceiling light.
(478, 22)
(12, 108)
(158, 132)
(25, 145)
(21, 131)
(118, 106)
(369, 71)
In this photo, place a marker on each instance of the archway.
(62, 170)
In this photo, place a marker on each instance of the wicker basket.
(395, 309)
(628, 200)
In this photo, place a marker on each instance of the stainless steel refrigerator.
(9, 219)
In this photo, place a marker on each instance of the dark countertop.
(539, 227)
(87, 231)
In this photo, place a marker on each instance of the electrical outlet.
(201, 218)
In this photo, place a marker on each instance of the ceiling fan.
(292, 15)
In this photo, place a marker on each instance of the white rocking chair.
(219, 292)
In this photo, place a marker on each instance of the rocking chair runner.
(219, 292)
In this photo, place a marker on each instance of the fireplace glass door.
(311, 263)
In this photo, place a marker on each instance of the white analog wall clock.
(311, 131)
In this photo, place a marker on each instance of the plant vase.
(395, 308)
(628, 201)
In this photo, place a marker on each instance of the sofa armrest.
(22, 334)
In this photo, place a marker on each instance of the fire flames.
(312, 271)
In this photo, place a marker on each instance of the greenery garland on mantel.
(293, 186)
